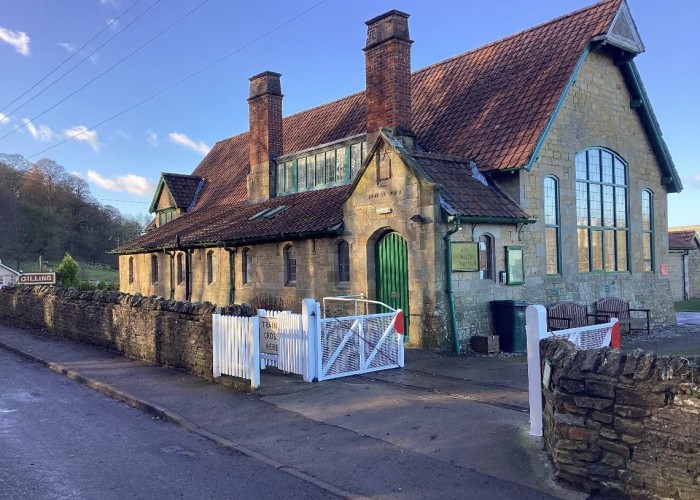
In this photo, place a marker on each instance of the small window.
(131, 269)
(210, 266)
(180, 268)
(290, 265)
(343, 261)
(154, 269)
(486, 248)
(247, 270)
(647, 231)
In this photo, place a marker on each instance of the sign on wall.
(465, 256)
(268, 335)
(37, 279)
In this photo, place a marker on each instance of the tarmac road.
(59, 439)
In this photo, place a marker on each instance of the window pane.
(550, 201)
(608, 207)
(486, 257)
(340, 164)
(301, 173)
(622, 264)
(551, 238)
(621, 207)
(646, 262)
(343, 261)
(330, 166)
(583, 259)
(320, 166)
(310, 171)
(355, 159)
(289, 176)
(607, 167)
(597, 250)
(620, 177)
(646, 210)
(594, 165)
(280, 177)
(581, 204)
(364, 150)
(581, 167)
(595, 205)
(609, 250)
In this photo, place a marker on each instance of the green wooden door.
(392, 273)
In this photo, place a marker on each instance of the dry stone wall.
(623, 425)
(153, 329)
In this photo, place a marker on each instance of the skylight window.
(269, 213)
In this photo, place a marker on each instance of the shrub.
(68, 272)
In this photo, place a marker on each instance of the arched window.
(290, 265)
(180, 268)
(247, 264)
(154, 269)
(551, 225)
(486, 260)
(131, 269)
(647, 230)
(601, 211)
(210, 266)
(343, 261)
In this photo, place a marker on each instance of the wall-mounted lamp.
(418, 218)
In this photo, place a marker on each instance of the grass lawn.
(88, 272)
(692, 305)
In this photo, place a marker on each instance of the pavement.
(442, 427)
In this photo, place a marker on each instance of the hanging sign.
(37, 279)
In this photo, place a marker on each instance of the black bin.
(509, 323)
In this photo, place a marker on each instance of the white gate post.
(215, 340)
(536, 328)
(309, 325)
(255, 353)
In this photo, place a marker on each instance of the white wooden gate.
(307, 344)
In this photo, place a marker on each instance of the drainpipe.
(172, 265)
(231, 274)
(448, 280)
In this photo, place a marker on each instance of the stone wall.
(623, 424)
(164, 332)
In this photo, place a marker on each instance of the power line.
(101, 74)
(80, 62)
(191, 75)
(70, 57)
(124, 201)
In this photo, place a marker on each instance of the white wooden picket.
(236, 347)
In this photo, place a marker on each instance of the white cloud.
(4, 119)
(109, 2)
(129, 183)
(122, 134)
(42, 133)
(81, 133)
(183, 140)
(112, 24)
(70, 48)
(695, 180)
(18, 39)
(152, 138)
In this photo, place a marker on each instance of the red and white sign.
(664, 269)
(37, 279)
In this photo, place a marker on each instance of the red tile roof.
(465, 195)
(491, 105)
(683, 240)
(182, 187)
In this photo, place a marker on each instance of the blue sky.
(318, 53)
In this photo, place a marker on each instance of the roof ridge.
(181, 175)
(513, 35)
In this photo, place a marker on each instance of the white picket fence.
(306, 344)
(585, 337)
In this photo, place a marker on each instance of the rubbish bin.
(509, 323)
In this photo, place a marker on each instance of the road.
(59, 439)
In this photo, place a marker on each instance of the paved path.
(442, 428)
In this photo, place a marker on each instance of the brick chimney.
(265, 115)
(388, 75)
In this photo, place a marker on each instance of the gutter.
(448, 281)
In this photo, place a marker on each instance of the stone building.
(684, 262)
(531, 168)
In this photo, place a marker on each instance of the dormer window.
(331, 167)
(165, 216)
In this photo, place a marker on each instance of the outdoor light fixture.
(418, 218)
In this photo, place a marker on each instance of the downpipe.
(448, 281)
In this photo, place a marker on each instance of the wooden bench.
(567, 314)
(612, 307)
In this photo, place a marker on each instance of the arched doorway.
(392, 273)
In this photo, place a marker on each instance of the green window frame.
(210, 267)
(180, 268)
(552, 226)
(247, 266)
(290, 265)
(647, 231)
(602, 213)
(165, 216)
(154, 269)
